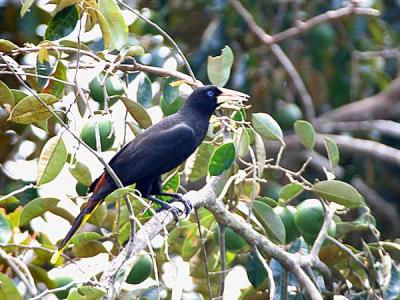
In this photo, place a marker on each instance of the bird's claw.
(174, 210)
(188, 205)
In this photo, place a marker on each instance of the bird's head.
(207, 98)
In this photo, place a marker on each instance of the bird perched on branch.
(159, 149)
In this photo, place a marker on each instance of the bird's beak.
(231, 95)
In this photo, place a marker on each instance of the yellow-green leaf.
(88, 249)
(333, 151)
(81, 173)
(6, 96)
(26, 6)
(30, 109)
(8, 290)
(7, 46)
(36, 208)
(267, 127)
(105, 29)
(339, 192)
(219, 67)
(116, 22)
(138, 112)
(51, 160)
(306, 133)
(270, 221)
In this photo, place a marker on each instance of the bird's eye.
(210, 93)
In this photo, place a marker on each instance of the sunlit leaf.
(134, 51)
(332, 150)
(138, 112)
(219, 67)
(8, 290)
(267, 127)
(51, 160)
(105, 29)
(271, 222)
(144, 92)
(36, 208)
(18, 95)
(9, 200)
(255, 270)
(5, 230)
(306, 133)
(339, 192)
(98, 215)
(260, 153)
(6, 96)
(222, 159)
(41, 275)
(291, 190)
(63, 213)
(116, 22)
(62, 24)
(30, 110)
(197, 165)
(81, 173)
(86, 293)
(7, 46)
(242, 142)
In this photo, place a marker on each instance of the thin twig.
(11, 261)
(165, 34)
(20, 190)
(204, 253)
(269, 272)
(323, 233)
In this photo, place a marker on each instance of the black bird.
(159, 149)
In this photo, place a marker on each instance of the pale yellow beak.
(231, 95)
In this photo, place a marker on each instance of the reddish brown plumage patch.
(101, 182)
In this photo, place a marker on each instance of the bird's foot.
(166, 206)
(177, 197)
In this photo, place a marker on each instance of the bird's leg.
(165, 205)
(178, 197)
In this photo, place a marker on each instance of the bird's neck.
(198, 121)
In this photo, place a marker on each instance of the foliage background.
(340, 62)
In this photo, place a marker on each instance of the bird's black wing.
(150, 155)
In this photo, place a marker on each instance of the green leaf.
(6, 96)
(267, 127)
(170, 93)
(5, 230)
(26, 6)
(81, 173)
(43, 68)
(170, 108)
(219, 67)
(242, 142)
(62, 24)
(84, 237)
(41, 275)
(138, 112)
(7, 46)
(98, 216)
(172, 185)
(63, 213)
(144, 93)
(222, 159)
(8, 290)
(9, 200)
(291, 190)
(57, 88)
(18, 95)
(105, 29)
(30, 110)
(306, 133)
(255, 270)
(86, 293)
(116, 22)
(260, 153)
(271, 222)
(333, 151)
(88, 249)
(198, 166)
(134, 51)
(51, 160)
(339, 192)
(36, 208)
(118, 194)
(191, 243)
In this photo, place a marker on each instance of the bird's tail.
(81, 219)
